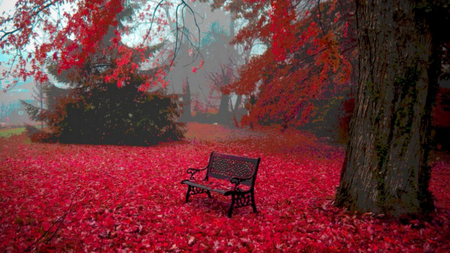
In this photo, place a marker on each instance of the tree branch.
(58, 221)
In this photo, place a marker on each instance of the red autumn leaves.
(98, 198)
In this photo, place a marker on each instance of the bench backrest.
(223, 166)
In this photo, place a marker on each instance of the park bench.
(228, 175)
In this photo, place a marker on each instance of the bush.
(106, 114)
(37, 135)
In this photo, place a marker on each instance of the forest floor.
(95, 198)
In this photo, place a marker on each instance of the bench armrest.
(192, 172)
(238, 180)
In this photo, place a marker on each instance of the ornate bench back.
(223, 166)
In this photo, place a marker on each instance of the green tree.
(107, 114)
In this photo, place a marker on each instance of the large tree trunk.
(386, 164)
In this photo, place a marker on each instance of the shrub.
(122, 116)
(107, 114)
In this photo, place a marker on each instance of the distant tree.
(220, 82)
(38, 95)
(46, 95)
(186, 102)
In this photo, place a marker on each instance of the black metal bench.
(239, 174)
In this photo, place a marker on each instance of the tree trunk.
(237, 103)
(41, 99)
(236, 116)
(386, 164)
(186, 114)
(224, 115)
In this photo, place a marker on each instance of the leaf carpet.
(84, 198)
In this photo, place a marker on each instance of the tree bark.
(386, 164)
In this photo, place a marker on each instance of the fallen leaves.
(96, 198)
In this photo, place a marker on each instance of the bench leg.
(209, 194)
(230, 211)
(188, 192)
(253, 203)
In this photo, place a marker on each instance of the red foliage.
(34, 38)
(111, 198)
(309, 57)
(282, 28)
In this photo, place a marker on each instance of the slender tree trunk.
(41, 98)
(386, 164)
(237, 103)
(224, 115)
(186, 116)
(235, 110)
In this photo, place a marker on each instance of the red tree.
(308, 58)
(70, 31)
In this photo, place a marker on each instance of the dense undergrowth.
(96, 198)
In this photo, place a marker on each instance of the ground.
(87, 198)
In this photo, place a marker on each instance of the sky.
(5, 6)
(23, 89)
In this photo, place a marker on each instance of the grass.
(7, 132)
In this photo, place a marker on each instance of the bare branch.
(58, 221)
